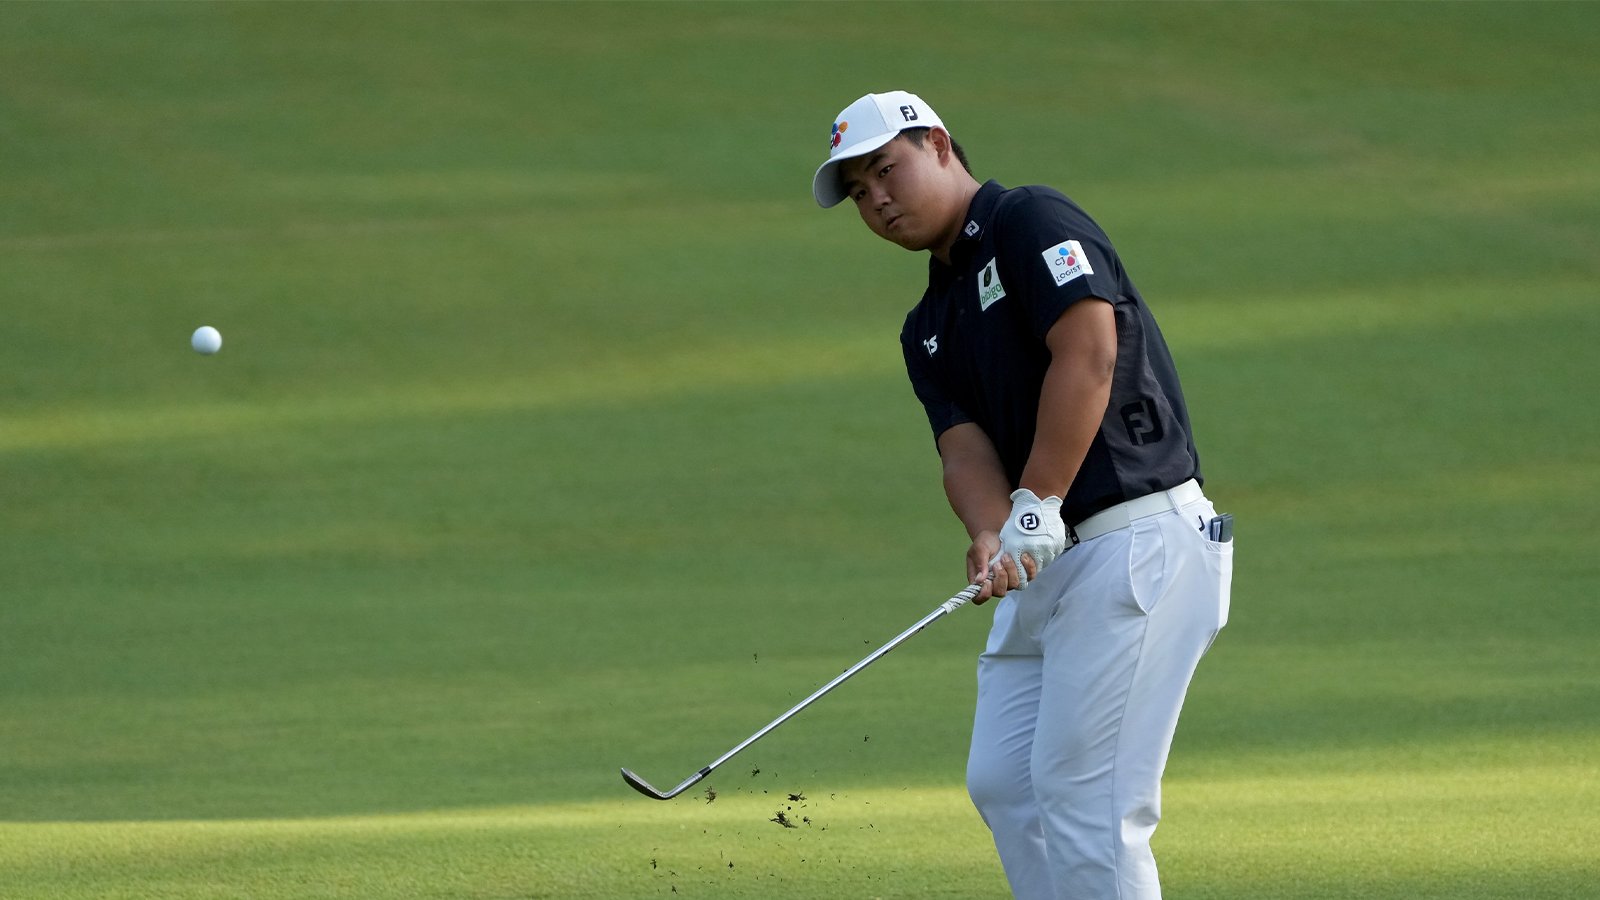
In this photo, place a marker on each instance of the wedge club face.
(643, 787)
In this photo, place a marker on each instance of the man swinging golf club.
(1068, 456)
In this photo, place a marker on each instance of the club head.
(642, 786)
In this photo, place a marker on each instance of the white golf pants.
(1078, 697)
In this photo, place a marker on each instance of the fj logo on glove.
(1029, 522)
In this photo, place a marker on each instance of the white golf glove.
(1035, 528)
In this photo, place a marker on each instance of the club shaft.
(944, 609)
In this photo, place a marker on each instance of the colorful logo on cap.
(838, 134)
(1071, 260)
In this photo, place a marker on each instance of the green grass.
(1453, 831)
(556, 430)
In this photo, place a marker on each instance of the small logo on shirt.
(932, 344)
(1144, 426)
(989, 287)
(1066, 261)
(971, 229)
(839, 129)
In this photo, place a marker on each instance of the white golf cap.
(863, 127)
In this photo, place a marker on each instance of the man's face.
(899, 190)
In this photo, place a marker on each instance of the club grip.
(961, 599)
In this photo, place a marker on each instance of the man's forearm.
(974, 479)
(1073, 398)
(1071, 408)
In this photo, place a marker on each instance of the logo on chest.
(1066, 262)
(989, 287)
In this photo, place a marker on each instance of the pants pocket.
(1219, 560)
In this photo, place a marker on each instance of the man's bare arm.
(974, 479)
(975, 483)
(1072, 403)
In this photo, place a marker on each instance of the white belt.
(1122, 515)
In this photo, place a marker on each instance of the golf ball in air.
(206, 340)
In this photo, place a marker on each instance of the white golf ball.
(206, 340)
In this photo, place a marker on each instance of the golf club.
(945, 608)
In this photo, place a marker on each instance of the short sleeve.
(943, 413)
(1057, 254)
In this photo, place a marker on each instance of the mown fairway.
(556, 429)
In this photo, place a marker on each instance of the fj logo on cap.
(1066, 262)
(909, 112)
(990, 290)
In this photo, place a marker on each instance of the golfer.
(1068, 456)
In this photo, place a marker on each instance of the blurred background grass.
(556, 429)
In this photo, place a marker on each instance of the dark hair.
(916, 135)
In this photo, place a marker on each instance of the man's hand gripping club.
(1032, 537)
(1033, 534)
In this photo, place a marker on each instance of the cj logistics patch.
(1067, 261)
(989, 287)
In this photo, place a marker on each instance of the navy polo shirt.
(975, 348)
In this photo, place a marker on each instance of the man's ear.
(940, 141)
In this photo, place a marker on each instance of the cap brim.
(825, 184)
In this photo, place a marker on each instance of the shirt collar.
(974, 224)
(979, 211)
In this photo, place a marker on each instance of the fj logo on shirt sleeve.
(989, 287)
(1066, 262)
